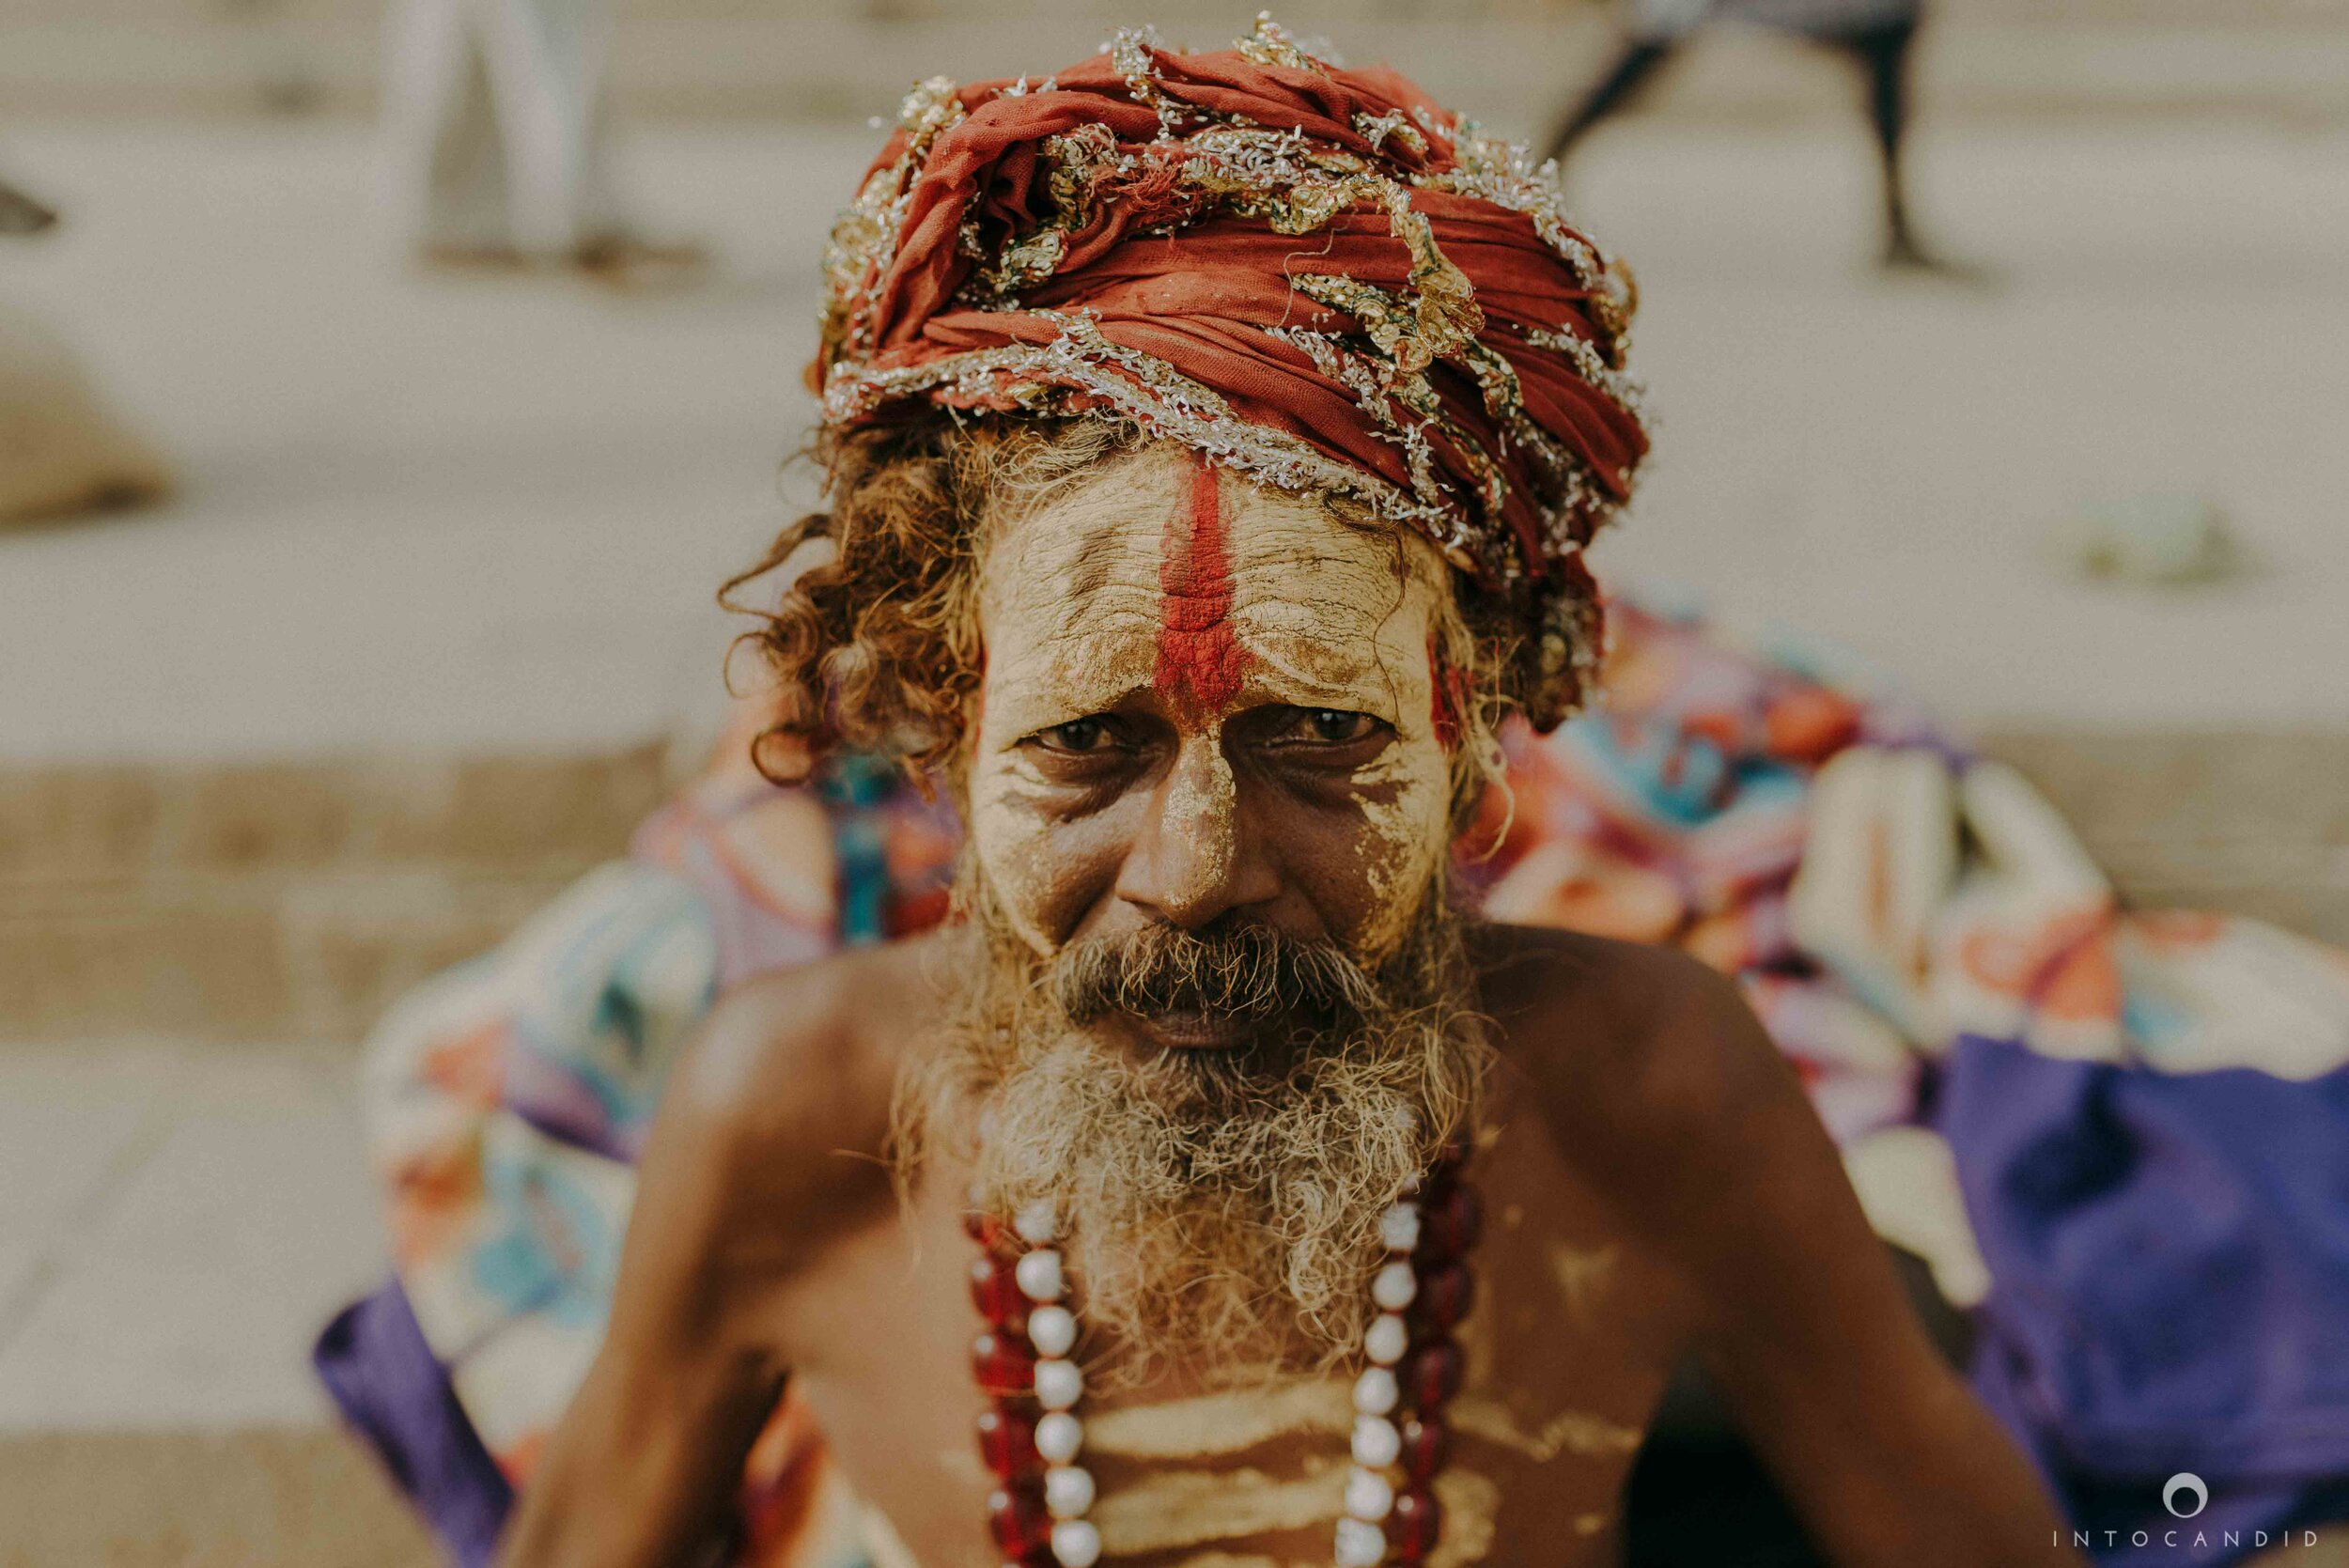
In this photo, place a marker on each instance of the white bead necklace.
(1031, 1436)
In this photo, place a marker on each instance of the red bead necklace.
(1030, 1438)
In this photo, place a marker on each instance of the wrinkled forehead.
(1108, 583)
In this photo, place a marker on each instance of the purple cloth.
(2170, 1259)
(374, 1361)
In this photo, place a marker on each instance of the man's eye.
(1078, 737)
(1332, 727)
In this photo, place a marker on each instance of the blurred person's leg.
(494, 136)
(545, 63)
(1882, 52)
(445, 159)
(1655, 29)
(1631, 71)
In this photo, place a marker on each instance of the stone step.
(178, 1220)
(287, 901)
(274, 1498)
(2250, 823)
(294, 901)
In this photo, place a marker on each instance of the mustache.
(1249, 970)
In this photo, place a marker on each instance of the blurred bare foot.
(21, 214)
(1903, 256)
(619, 261)
(626, 261)
(450, 257)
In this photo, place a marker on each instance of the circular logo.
(2189, 1484)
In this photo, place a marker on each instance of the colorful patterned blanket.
(2117, 1136)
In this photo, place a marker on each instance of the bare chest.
(1567, 1347)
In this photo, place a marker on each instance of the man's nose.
(1194, 859)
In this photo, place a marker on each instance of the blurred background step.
(279, 1497)
(296, 900)
(2246, 822)
(178, 1220)
(282, 901)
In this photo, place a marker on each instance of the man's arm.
(647, 1462)
(1801, 1321)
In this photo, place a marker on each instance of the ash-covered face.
(1207, 705)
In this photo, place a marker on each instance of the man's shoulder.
(789, 1085)
(1570, 1001)
(1642, 1059)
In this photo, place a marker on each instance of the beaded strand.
(1031, 1436)
(1401, 1439)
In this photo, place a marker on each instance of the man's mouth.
(1195, 1029)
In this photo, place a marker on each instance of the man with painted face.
(1212, 443)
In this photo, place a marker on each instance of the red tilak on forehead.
(1200, 661)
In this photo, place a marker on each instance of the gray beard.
(1217, 1208)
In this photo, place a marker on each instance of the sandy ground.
(458, 512)
(177, 1223)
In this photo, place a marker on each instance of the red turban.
(1310, 273)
